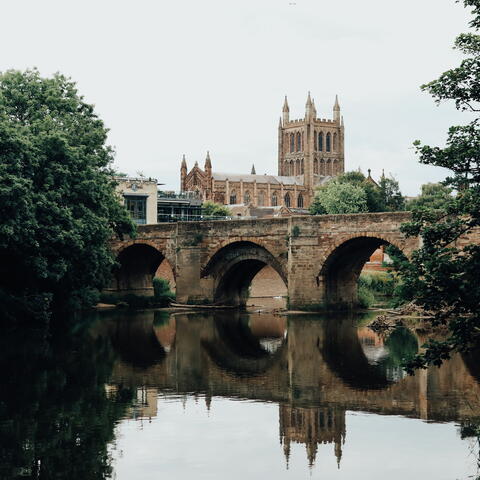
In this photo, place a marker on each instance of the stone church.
(310, 152)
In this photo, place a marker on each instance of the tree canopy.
(58, 206)
(434, 196)
(338, 196)
(441, 276)
(212, 209)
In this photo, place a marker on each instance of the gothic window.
(315, 167)
(315, 140)
(301, 167)
(334, 142)
(328, 142)
(300, 201)
(320, 141)
(246, 198)
(292, 168)
(233, 198)
(261, 198)
(292, 143)
(274, 199)
(297, 168)
(299, 142)
(287, 199)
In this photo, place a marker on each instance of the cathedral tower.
(311, 147)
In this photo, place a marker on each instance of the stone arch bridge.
(318, 257)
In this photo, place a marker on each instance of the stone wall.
(318, 258)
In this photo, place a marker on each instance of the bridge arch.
(138, 263)
(233, 268)
(342, 267)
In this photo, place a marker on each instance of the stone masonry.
(319, 258)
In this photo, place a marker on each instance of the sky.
(182, 77)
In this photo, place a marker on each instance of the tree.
(373, 194)
(434, 196)
(58, 207)
(211, 209)
(441, 276)
(336, 197)
(392, 199)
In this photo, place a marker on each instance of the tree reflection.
(56, 419)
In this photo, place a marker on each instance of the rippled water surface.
(149, 395)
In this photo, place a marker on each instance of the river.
(148, 395)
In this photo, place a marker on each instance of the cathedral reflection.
(316, 370)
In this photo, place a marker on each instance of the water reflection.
(311, 373)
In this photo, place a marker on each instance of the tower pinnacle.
(336, 110)
(208, 163)
(253, 172)
(286, 111)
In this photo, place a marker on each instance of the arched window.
(274, 199)
(301, 167)
(328, 142)
(287, 199)
(292, 168)
(315, 167)
(299, 142)
(261, 198)
(292, 143)
(320, 141)
(334, 142)
(246, 197)
(300, 201)
(297, 168)
(233, 197)
(315, 140)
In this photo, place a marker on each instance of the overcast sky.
(184, 77)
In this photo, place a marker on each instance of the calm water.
(149, 395)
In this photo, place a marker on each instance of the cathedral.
(310, 152)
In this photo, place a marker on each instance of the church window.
(246, 198)
(292, 168)
(301, 167)
(233, 198)
(299, 142)
(328, 142)
(320, 141)
(315, 167)
(261, 199)
(292, 143)
(315, 140)
(287, 199)
(274, 199)
(300, 201)
(334, 142)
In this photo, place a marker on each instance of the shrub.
(161, 291)
(365, 296)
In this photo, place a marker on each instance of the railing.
(162, 218)
(179, 195)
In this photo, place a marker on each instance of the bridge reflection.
(315, 369)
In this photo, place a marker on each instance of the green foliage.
(58, 207)
(439, 276)
(365, 296)
(434, 196)
(392, 199)
(162, 293)
(336, 197)
(383, 283)
(211, 209)
(295, 231)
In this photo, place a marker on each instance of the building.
(310, 152)
(173, 207)
(139, 196)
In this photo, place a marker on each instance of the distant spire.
(314, 109)
(341, 122)
(336, 106)
(309, 100)
(196, 164)
(383, 173)
(253, 172)
(208, 163)
(286, 112)
(280, 122)
(184, 162)
(336, 110)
